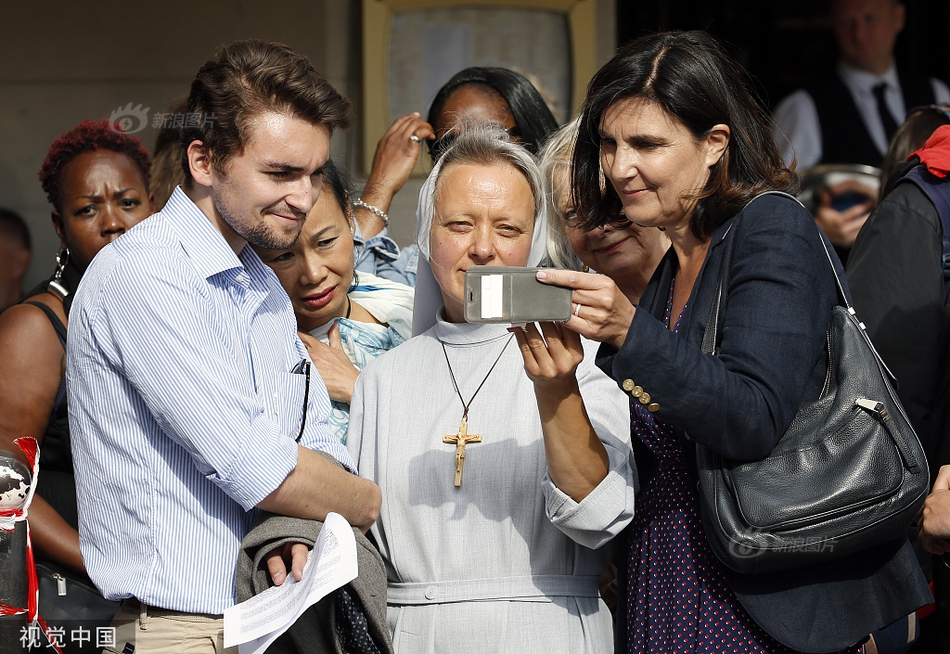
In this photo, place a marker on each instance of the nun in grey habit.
(499, 549)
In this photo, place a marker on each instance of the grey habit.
(507, 562)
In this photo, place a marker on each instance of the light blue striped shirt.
(184, 408)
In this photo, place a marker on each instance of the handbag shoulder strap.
(710, 343)
(842, 296)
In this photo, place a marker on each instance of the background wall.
(61, 62)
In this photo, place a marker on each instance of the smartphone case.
(505, 294)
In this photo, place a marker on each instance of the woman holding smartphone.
(671, 127)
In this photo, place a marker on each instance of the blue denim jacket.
(381, 256)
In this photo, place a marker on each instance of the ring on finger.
(414, 138)
(577, 309)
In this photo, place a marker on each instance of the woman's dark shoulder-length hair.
(533, 118)
(693, 79)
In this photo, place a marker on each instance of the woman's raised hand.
(396, 156)
(601, 312)
(338, 373)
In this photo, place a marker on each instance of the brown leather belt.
(155, 611)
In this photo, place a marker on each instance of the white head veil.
(481, 138)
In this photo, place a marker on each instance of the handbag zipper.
(873, 406)
(828, 373)
(881, 414)
(60, 584)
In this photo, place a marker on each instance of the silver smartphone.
(502, 294)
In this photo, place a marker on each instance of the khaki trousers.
(151, 630)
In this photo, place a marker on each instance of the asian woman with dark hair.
(346, 318)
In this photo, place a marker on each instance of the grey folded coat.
(317, 630)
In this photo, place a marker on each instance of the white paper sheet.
(256, 623)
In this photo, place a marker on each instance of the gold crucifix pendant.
(461, 439)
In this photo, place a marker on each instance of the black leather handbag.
(848, 474)
(67, 601)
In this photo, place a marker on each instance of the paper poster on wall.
(443, 41)
(412, 47)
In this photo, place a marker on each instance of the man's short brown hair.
(247, 78)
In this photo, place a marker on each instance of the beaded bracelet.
(379, 212)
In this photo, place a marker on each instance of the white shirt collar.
(865, 81)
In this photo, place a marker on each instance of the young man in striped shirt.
(191, 397)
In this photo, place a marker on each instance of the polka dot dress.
(352, 626)
(677, 596)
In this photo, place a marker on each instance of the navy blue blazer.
(778, 291)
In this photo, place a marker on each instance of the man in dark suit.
(849, 115)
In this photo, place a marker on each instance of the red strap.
(32, 583)
(924, 611)
(30, 448)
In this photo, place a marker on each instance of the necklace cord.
(465, 405)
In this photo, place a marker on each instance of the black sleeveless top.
(56, 483)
